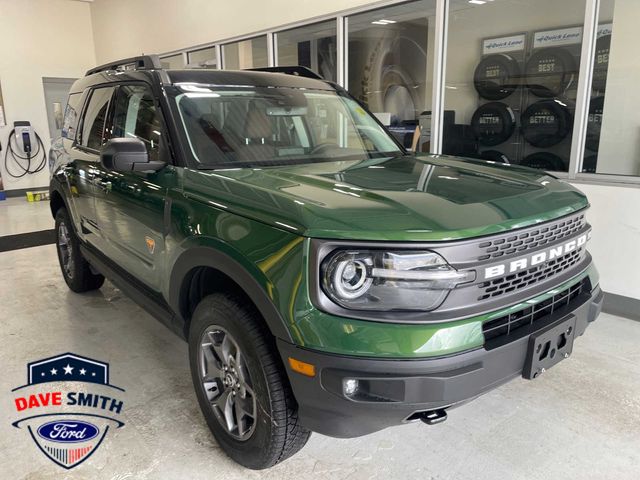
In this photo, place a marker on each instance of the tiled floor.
(580, 420)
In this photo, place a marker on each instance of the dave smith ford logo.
(67, 407)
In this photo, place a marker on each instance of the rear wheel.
(75, 269)
(241, 384)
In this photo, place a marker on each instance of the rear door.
(84, 162)
(130, 209)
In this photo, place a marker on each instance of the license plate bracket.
(548, 347)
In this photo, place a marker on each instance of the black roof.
(245, 77)
(148, 68)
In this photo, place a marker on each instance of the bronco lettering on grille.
(536, 259)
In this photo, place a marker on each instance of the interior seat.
(258, 135)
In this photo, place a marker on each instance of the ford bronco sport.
(326, 280)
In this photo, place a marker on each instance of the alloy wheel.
(66, 252)
(226, 382)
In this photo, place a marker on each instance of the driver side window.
(135, 116)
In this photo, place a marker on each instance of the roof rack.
(296, 70)
(143, 62)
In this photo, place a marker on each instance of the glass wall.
(312, 46)
(511, 77)
(511, 80)
(251, 53)
(203, 58)
(390, 65)
(613, 128)
(172, 61)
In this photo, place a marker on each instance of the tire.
(265, 430)
(497, 76)
(590, 164)
(594, 123)
(546, 123)
(601, 64)
(544, 161)
(76, 271)
(550, 72)
(494, 156)
(493, 123)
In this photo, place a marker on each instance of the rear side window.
(70, 122)
(135, 116)
(92, 133)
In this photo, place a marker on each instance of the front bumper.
(395, 391)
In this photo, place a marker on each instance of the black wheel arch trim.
(55, 186)
(203, 256)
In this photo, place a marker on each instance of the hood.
(403, 198)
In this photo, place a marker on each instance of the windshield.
(249, 126)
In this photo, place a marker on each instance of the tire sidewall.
(63, 217)
(254, 451)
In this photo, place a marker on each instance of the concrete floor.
(581, 420)
(19, 216)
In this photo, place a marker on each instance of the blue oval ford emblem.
(67, 431)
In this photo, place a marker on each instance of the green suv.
(325, 279)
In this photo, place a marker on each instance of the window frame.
(163, 123)
(77, 141)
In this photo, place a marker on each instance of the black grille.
(509, 323)
(542, 235)
(528, 277)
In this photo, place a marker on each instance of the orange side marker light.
(302, 367)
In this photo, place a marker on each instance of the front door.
(130, 209)
(85, 162)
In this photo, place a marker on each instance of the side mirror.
(127, 155)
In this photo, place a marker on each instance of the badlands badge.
(68, 407)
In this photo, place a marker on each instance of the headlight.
(383, 280)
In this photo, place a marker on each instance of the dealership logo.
(537, 259)
(67, 407)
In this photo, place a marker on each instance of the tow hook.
(433, 417)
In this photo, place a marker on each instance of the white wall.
(615, 218)
(39, 38)
(124, 28)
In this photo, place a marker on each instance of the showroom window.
(252, 53)
(312, 46)
(203, 58)
(390, 60)
(511, 80)
(172, 61)
(511, 73)
(612, 143)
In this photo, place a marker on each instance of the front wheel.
(241, 384)
(75, 269)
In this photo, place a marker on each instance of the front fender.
(210, 252)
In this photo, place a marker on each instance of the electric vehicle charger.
(24, 161)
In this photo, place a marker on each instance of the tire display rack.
(527, 94)
(498, 81)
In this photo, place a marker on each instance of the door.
(56, 92)
(130, 207)
(85, 160)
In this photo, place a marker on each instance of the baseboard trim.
(621, 306)
(21, 192)
(27, 240)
